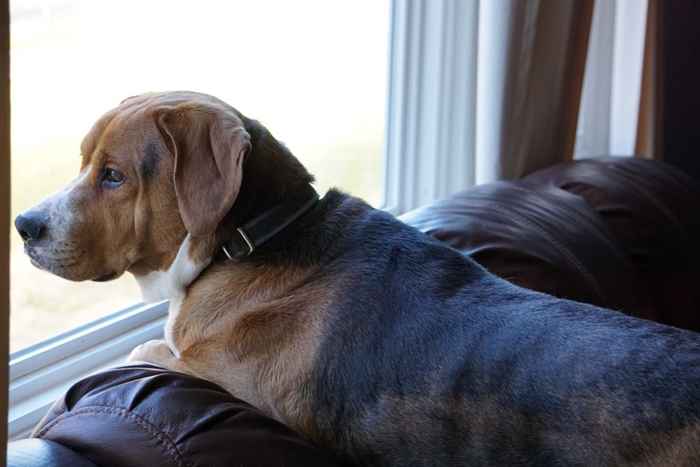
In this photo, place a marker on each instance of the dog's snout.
(31, 225)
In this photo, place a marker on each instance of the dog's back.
(428, 359)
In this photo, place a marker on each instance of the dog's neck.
(254, 234)
(271, 176)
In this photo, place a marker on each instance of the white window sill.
(43, 372)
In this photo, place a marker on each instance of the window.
(314, 72)
(610, 99)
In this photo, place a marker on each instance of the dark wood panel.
(4, 216)
(679, 37)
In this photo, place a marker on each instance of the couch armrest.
(142, 415)
(35, 452)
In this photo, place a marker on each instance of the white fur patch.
(164, 285)
(172, 285)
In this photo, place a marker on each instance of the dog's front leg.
(191, 259)
(236, 382)
(157, 352)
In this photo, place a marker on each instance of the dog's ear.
(209, 146)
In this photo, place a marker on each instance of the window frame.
(429, 117)
(42, 372)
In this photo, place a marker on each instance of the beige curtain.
(527, 109)
(649, 128)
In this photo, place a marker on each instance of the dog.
(342, 322)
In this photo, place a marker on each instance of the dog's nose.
(31, 225)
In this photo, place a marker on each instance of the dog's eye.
(112, 178)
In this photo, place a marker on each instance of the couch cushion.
(652, 211)
(621, 233)
(142, 415)
(539, 237)
(35, 452)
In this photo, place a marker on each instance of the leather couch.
(142, 415)
(619, 233)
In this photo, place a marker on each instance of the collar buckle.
(225, 250)
(244, 236)
(246, 240)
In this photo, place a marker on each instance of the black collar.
(251, 235)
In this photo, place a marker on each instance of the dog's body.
(362, 333)
(427, 359)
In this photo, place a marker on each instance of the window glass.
(313, 72)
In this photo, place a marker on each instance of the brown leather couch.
(142, 415)
(619, 233)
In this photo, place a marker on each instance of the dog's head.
(155, 169)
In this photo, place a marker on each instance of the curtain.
(649, 135)
(532, 56)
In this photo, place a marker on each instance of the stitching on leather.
(161, 437)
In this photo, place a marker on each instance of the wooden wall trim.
(4, 217)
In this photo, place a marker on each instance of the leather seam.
(161, 437)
